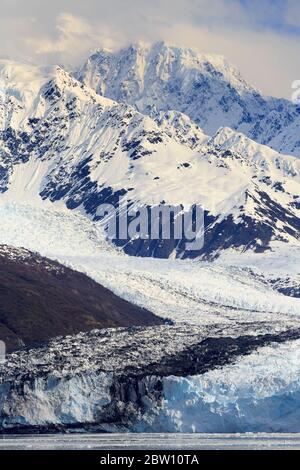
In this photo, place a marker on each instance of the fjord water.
(152, 442)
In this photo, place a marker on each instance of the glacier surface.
(136, 380)
(259, 393)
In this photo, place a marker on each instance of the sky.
(260, 37)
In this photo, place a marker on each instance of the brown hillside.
(41, 299)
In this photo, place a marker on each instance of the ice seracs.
(180, 379)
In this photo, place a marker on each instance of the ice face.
(259, 393)
(80, 381)
(51, 400)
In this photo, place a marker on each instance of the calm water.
(151, 441)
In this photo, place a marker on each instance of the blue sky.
(261, 37)
(272, 14)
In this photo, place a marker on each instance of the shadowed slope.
(41, 299)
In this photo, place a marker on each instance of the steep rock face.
(205, 87)
(40, 299)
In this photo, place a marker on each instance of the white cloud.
(75, 38)
(267, 60)
(66, 30)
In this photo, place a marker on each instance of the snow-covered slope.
(20, 84)
(205, 87)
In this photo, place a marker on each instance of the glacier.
(182, 290)
(107, 382)
(259, 393)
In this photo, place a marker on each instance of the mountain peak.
(166, 77)
(191, 56)
(207, 88)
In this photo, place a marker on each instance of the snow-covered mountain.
(181, 129)
(62, 143)
(206, 87)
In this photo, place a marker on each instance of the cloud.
(261, 37)
(75, 38)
